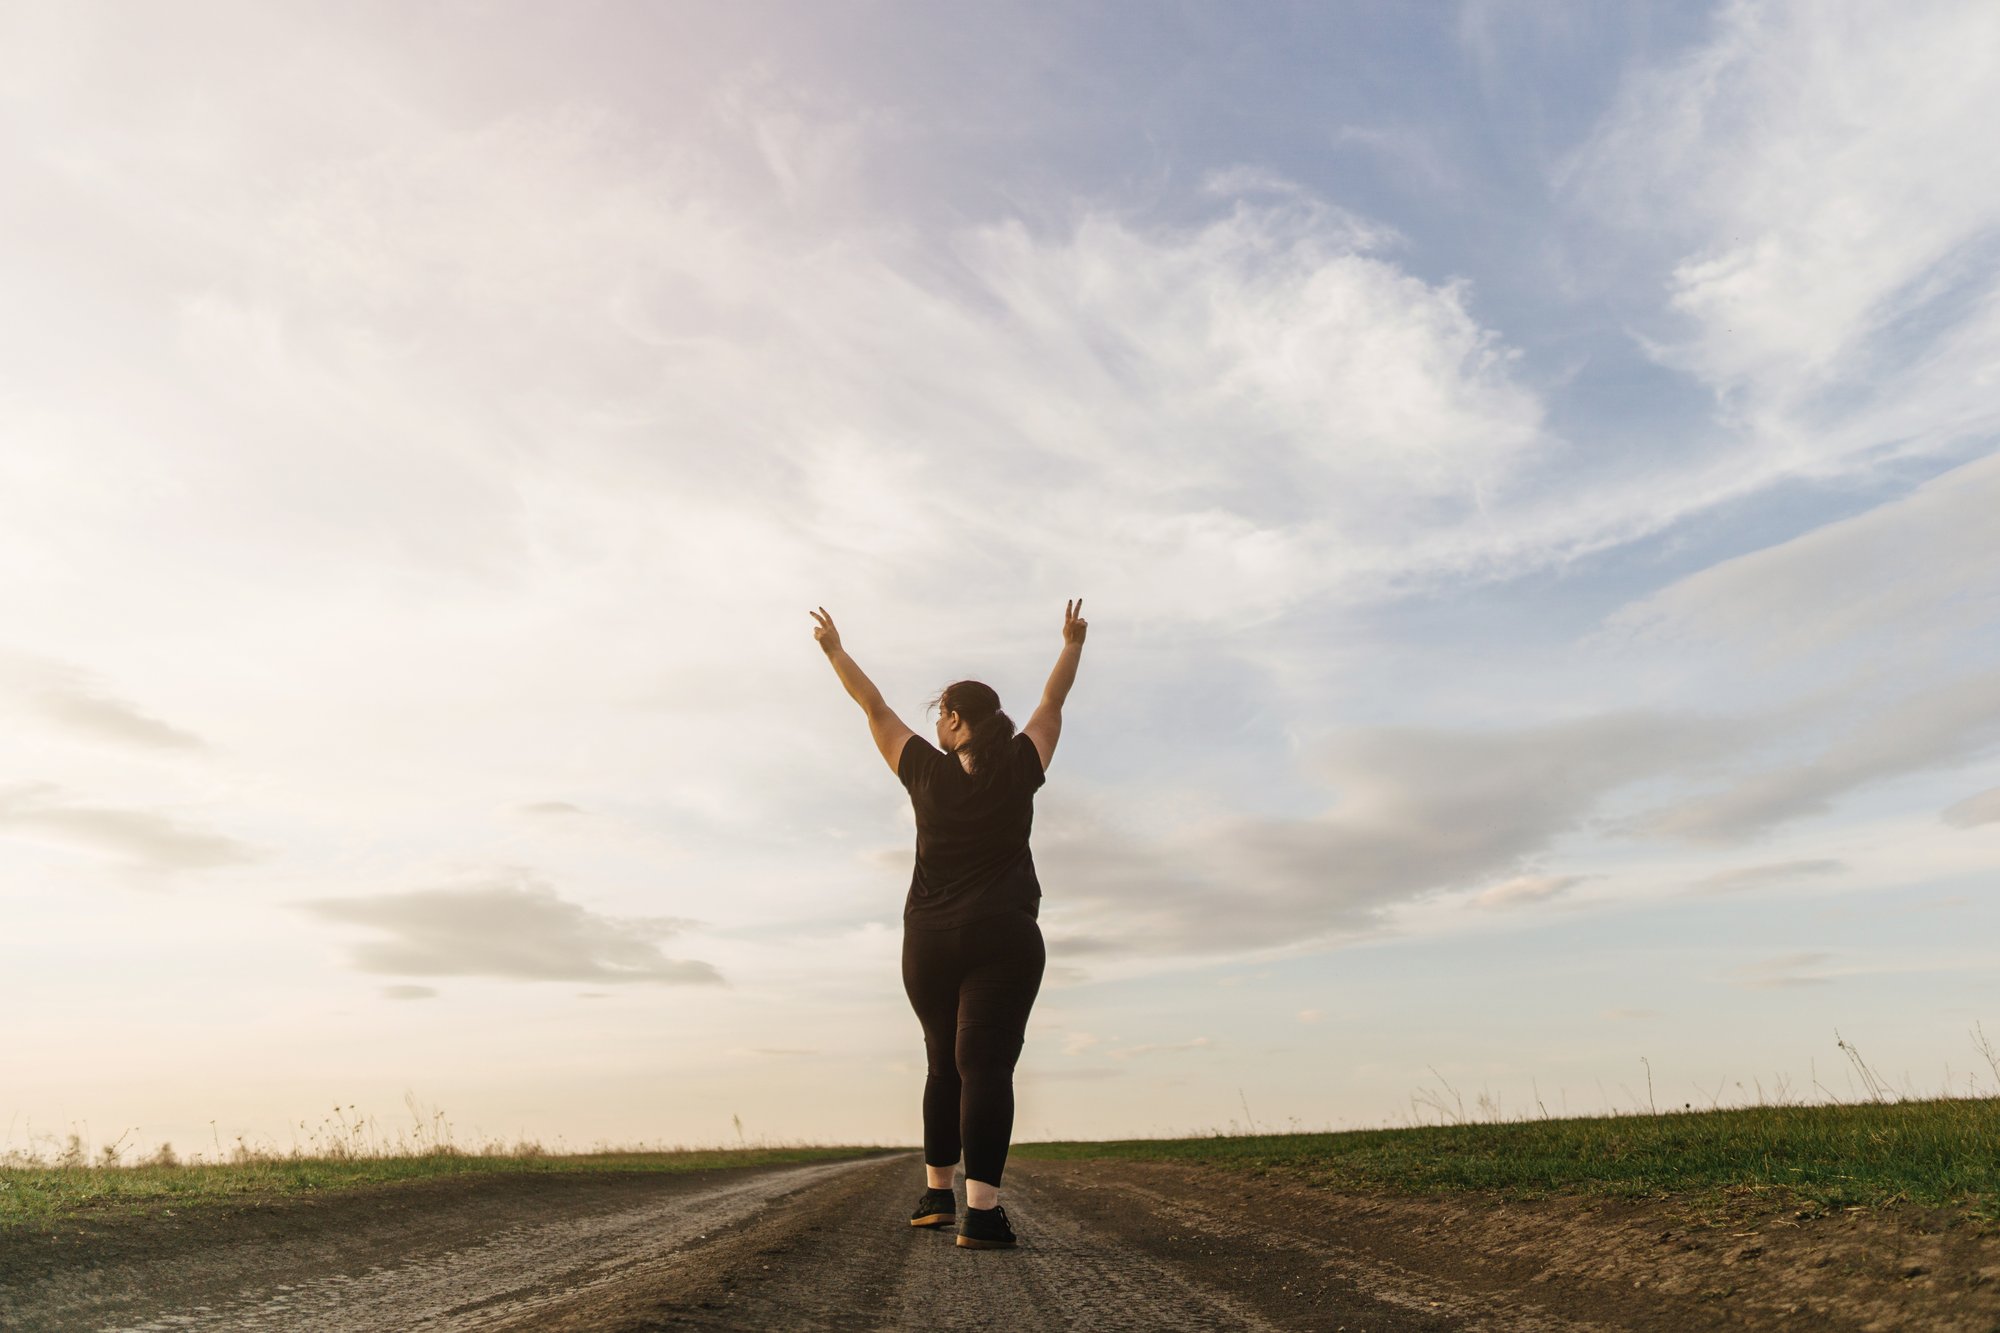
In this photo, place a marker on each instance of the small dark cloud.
(1078, 946)
(1775, 872)
(409, 992)
(783, 1050)
(550, 808)
(1628, 1015)
(99, 715)
(136, 837)
(1418, 810)
(1984, 808)
(1786, 970)
(1161, 1048)
(1524, 889)
(515, 927)
(1942, 724)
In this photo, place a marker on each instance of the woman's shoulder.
(918, 755)
(1028, 759)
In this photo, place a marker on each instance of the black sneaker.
(985, 1229)
(938, 1208)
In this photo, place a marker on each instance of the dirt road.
(1104, 1246)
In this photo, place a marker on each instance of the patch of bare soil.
(1547, 1264)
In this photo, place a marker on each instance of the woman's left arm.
(889, 731)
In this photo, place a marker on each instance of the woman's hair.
(980, 707)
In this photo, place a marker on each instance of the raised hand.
(823, 630)
(1074, 625)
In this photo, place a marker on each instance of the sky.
(1529, 468)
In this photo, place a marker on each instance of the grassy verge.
(39, 1195)
(1944, 1152)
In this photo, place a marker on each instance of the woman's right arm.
(1045, 727)
(889, 731)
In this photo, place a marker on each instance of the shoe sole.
(935, 1220)
(969, 1243)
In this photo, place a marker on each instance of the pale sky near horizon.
(1523, 465)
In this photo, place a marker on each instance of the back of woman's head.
(979, 708)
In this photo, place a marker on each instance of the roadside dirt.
(1104, 1245)
(1550, 1264)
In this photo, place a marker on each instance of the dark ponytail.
(980, 707)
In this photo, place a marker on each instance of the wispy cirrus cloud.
(1833, 276)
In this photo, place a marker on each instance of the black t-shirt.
(972, 833)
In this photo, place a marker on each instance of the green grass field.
(1944, 1152)
(37, 1195)
(1940, 1153)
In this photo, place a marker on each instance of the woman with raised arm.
(972, 952)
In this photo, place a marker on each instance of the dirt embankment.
(1111, 1245)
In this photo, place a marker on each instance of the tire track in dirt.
(1303, 1278)
(1064, 1274)
(454, 1281)
(843, 1257)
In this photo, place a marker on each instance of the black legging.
(972, 987)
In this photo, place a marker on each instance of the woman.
(972, 953)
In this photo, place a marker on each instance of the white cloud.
(514, 927)
(1838, 295)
